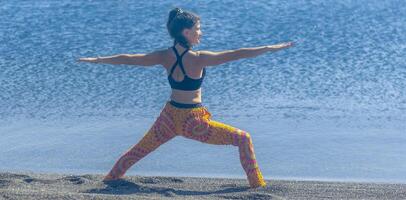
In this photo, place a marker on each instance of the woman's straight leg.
(199, 126)
(160, 132)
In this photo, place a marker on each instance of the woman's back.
(191, 67)
(185, 75)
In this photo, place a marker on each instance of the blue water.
(331, 108)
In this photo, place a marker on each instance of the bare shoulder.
(204, 58)
(195, 58)
(165, 56)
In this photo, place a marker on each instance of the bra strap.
(178, 60)
(176, 52)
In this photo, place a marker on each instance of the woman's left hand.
(91, 60)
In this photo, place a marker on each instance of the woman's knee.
(247, 136)
(241, 137)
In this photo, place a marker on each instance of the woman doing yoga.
(183, 114)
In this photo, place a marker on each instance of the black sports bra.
(187, 83)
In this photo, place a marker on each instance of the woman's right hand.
(283, 45)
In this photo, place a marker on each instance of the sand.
(29, 185)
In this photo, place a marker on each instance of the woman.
(184, 114)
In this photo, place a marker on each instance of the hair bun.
(173, 13)
(179, 10)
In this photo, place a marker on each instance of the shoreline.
(32, 185)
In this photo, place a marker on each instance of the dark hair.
(178, 20)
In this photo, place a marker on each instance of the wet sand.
(28, 185)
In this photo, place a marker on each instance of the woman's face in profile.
(193, 35)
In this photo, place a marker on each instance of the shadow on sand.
(125, 187)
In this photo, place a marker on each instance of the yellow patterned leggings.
(193, 123)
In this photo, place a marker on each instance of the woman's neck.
(180, 48)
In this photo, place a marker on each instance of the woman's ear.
(186, 32)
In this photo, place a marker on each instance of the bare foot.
(110, 178)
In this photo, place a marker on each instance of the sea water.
(330, 108)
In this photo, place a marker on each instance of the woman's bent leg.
(161, 131)
(213, 132)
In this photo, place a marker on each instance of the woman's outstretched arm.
(149, 59)
(209, 58)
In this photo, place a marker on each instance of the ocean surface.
(333, 107)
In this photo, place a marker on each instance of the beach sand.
(29, 185)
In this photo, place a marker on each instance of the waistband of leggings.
(185, 105)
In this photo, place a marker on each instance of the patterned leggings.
(193, 123)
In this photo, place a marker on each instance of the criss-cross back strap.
(178, 60)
